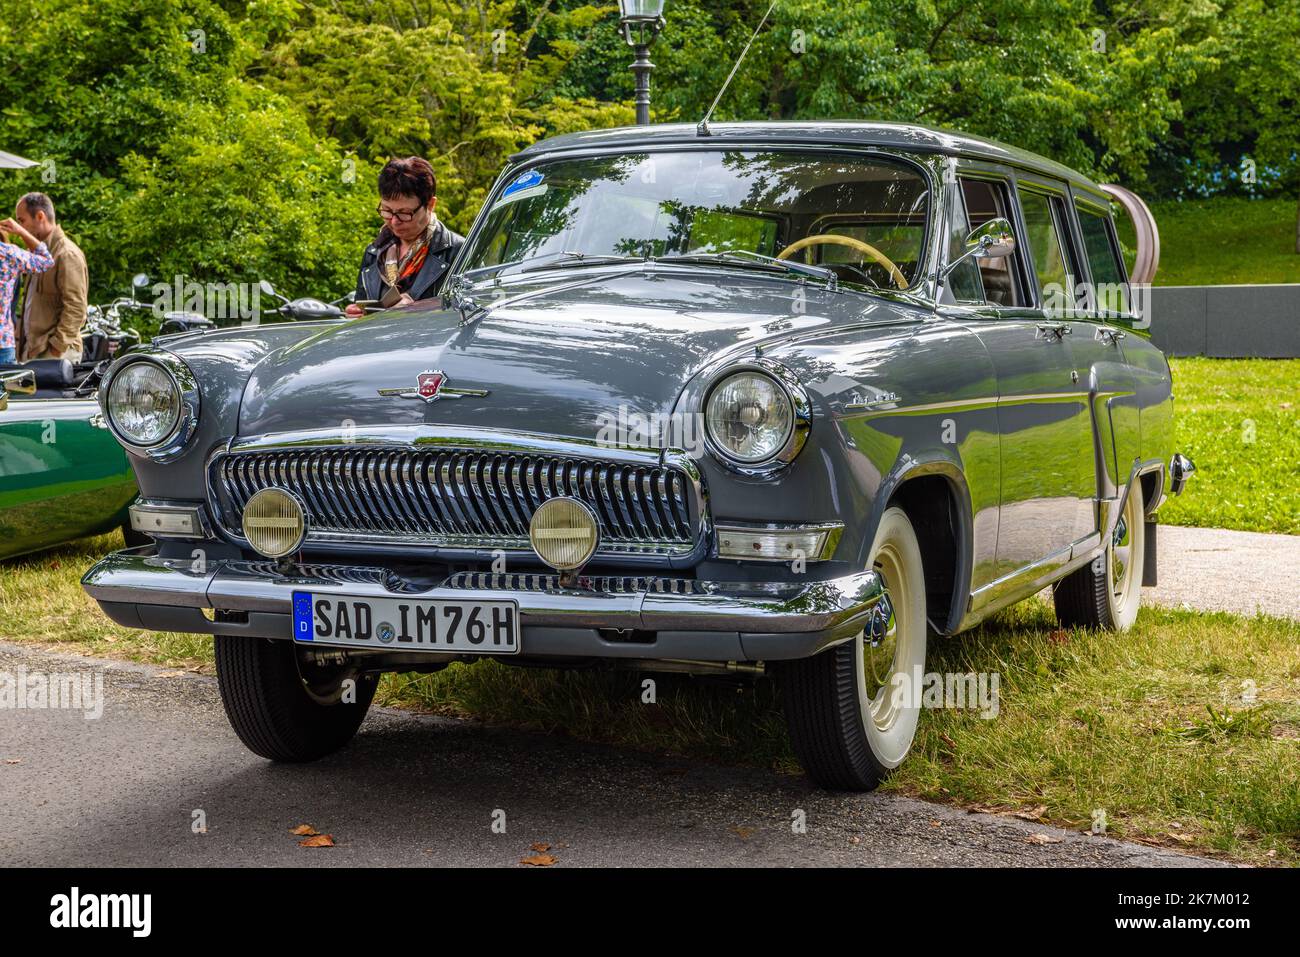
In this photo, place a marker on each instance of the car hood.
(553, 359)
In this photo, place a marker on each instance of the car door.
(1044, 430)
(62, 475)
(1108, 323)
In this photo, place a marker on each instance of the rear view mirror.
(140, 284)
(992, 240)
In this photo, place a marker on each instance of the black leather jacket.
(427, 282)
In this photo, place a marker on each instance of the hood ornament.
(431, 385)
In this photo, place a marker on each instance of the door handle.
(1111, 336)
(1052, 330)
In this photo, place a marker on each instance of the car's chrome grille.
(460, 497)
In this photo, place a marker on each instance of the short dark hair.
(412, 176)
(38, 201)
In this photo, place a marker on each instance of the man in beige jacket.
(48, 323)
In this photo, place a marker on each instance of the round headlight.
(749, 417)
(144, 404)
(274, 522)
(564, 533)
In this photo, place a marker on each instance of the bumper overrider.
(617, 617)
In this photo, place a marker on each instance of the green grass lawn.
(1222, 241)
(1239, 421)
(1150, 728)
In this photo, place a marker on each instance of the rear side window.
(1045, 231)
(1103, 260)
(987, 200)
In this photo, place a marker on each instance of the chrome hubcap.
(1121, 551)
(882, 653)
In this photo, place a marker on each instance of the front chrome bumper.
(645, 618)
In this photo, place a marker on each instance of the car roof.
(900, 136)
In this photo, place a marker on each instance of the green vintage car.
(62, 474)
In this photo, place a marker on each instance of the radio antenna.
(703, 128)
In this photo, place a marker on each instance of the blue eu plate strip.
(302, 616)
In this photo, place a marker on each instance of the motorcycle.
(306, 308)
(103, 336)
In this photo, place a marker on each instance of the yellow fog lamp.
(564, 533)
(275, 523)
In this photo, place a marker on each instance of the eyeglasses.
(401, 215)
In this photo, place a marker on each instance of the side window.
(1046, 233)
(1103, 260)
(964, 281)
(987, 200)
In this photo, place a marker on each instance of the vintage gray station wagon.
(777, 399)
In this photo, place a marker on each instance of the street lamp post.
(641, 21)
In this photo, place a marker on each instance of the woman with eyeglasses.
(413, 251)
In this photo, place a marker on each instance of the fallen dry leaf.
(169, 674)
(318, 840)
(1059, 637)
(540, 846)
(948, 741)
(1182, 838)
(1033, 814)
(13, 760)
(539, 860)
(1043, 839)
(305, 830)
(745, 832)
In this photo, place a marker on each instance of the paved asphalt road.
(410, 790)
(1214, 569)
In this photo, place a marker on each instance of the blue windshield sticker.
(525, 181)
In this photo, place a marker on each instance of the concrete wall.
(1227, 322)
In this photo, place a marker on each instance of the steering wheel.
(894, 272)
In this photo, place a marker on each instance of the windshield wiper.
(743, 257)
(584, 259)
(565, 257)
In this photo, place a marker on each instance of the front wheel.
(850, 710)
(282, 705)
(1105, 593)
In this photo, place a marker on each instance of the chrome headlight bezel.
(187, 389)
(801, 416)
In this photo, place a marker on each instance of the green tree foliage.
(226, 140)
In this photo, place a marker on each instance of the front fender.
(221, 363)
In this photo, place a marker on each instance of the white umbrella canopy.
(14, 161)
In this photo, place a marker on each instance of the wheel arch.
(932, 491)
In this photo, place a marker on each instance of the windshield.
(864, 218)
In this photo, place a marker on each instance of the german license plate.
(402, 624)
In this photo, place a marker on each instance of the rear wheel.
(851, 719)
(284, 706)
(1107, 591)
